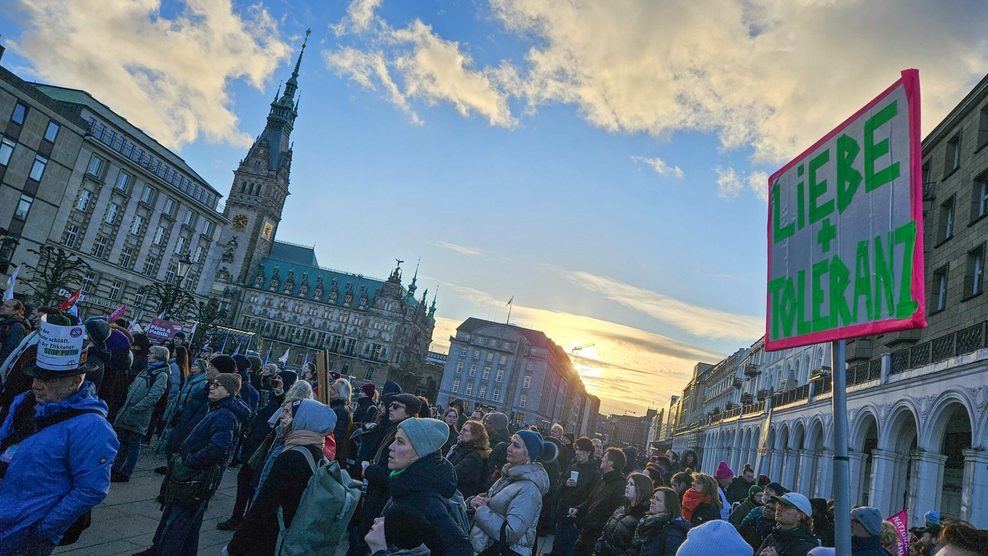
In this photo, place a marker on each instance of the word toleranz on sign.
(845, 228)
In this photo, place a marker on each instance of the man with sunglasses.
(376, 472)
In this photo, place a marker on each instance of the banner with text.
(160, 330)
(845, 229)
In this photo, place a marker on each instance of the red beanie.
(723, 471)
(368, 389)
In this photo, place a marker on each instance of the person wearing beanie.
(305, 423)
(223, 363)
(419, 477)
(714, 537)
(866, 530)
(401, 531)
(207, 449)
(793, 533)
(752, 501)
(366, 410)
(515, 500)
(737, 491)
(374, 453)
(607, 496)
(724, 476)
(257, 439)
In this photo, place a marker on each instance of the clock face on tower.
(268, 231)
(240, 222)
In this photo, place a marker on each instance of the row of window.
(19, 116)
(946, 218)
(952, 154)
(974, 276)
(482, 392)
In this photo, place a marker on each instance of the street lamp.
(182, 269)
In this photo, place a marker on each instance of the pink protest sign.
(901, 523)
(160, 330)
(119, 312)
(845, 228)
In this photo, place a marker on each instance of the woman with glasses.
(469, 457)
(451, 416)
(662, 529)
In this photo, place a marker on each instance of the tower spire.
(412, 287)
(292, 84)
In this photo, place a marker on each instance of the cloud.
(369, 69)
(359, 17)
(416, 63)
(699, 321)
(631, 368)
(169, 76)
(728, 183)
(457, 248)
(758, 184)
(768, 75)
(660, 167)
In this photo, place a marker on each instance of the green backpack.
(324, 511)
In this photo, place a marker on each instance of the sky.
(603, 164)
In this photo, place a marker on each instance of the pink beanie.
(723, 471)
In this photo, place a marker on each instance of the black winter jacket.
(284, 485)
(593, 513)
(259, 427)
(365, 412)
(790, 542)
(571, 497)
(737, 491)
(657, 535)
(867, 546)
(471, 469)
(424, 485)
(703, 513)
(377, 474)
(343, 417)
(618, 534)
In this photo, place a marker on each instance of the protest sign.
(901, 523)
(845, 229)
(160, 330)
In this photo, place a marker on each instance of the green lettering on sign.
(848, 179)
(872, 150)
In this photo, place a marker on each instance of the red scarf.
(691, 501)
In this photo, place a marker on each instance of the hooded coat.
(658, 535)
(618, 534)
(57, 474)
(516, 498)
(283, 487)
(790, 542)
(741, 511)
(143, 394)
(211, 442)
(424, 486)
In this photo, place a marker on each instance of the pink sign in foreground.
(845, 228)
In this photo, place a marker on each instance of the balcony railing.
(950, 345)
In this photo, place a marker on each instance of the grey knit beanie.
(426, 435)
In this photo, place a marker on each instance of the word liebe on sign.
(845, 230)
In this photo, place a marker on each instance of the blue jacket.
(190, 413)
(212, 441)
(57, 474)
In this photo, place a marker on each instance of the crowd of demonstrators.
(509, 511)
(438, 480)
(581, 479)
(593, 513)
(195, 471)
